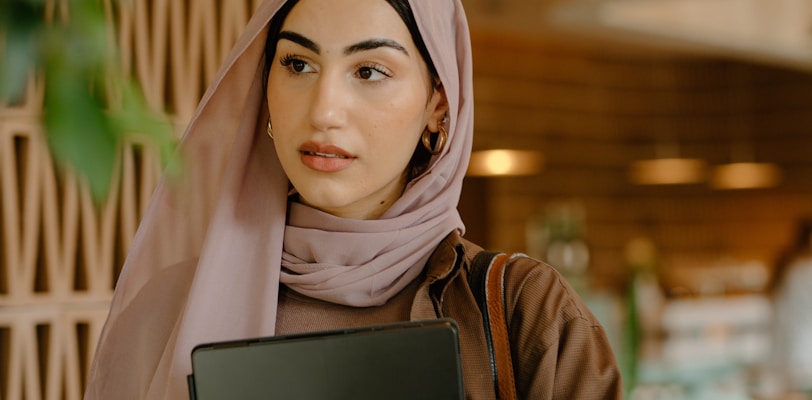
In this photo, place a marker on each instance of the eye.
(295, 65)
(372, 73)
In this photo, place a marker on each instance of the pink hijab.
(205, 264)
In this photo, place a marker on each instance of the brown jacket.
(559, 349)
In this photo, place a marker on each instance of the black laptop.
(407, 360)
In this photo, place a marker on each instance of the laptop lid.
(407, 360)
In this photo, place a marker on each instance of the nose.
(329, 102)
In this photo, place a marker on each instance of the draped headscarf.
(207, 260)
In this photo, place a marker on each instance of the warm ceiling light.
(504, 162)
(667, 171)
(745, 175)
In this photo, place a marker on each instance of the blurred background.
(656, 152)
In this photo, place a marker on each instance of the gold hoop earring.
(441, 139)
(270, 130)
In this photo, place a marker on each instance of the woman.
(326, 162)
(792, 344)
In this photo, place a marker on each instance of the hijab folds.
(212, 249)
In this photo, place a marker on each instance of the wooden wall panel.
(593, 110)
(60, 253)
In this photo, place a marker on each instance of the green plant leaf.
(83, 125)
(134, 117)
(78, 130)
(20, 33)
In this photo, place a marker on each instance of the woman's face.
(349, 97)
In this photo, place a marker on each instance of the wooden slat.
(59, 251)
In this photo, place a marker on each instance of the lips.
(325, 157)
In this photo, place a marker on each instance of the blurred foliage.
(90, 106)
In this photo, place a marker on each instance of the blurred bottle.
(558, 236)
(643, 260)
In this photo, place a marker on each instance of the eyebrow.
(369, 44)
(301, 40)
(372, 44)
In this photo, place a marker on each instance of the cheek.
(405, 131)
(279, 94)
(396, 141)
(406, 114)
(275, 106)
(283, 113)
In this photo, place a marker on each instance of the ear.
(437, 109)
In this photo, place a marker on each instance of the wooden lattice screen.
(59, 252)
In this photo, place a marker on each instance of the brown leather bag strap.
(487, 281)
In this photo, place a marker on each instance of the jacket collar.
(450, 258)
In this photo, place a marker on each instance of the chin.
(324, 201)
